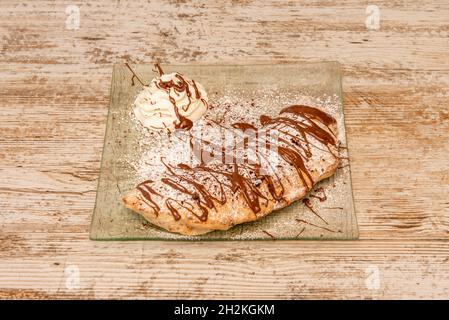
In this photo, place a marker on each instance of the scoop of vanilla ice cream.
(155, 105)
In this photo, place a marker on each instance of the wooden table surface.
(54, 96)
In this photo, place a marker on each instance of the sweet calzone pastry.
(241, 172)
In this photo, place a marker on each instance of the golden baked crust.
(194, 200)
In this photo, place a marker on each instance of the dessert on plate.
(235, 173)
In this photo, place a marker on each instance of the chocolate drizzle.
(146, 190)
(300, 128)
(179, 86)
(158, 69)
(308, 204)
(317, 226)
(319, 190)
(134, 76)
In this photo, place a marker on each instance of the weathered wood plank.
(220, 270)
(54, 88)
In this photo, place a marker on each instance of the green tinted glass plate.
(319, 81)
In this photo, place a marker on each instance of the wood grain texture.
(54, 88)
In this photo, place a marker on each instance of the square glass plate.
(319, 83)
